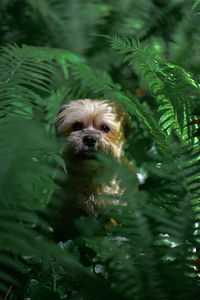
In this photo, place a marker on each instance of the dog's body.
(89, 127)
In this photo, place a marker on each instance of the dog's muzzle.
(89, 147)
(89, 142)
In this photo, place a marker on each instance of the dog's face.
(90, 127)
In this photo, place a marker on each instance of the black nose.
(89, 141)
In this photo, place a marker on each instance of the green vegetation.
(145, 54)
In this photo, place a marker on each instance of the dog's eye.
(77, 126)
(105, 128)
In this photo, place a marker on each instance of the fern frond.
(19, 172)
(38, 64)
(61, 56)
(72, 16)
(16, 66)
(98, 82)
(26, 178)
(171, 84)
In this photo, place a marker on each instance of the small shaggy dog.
(89, 127)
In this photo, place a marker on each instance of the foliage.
(55, 51)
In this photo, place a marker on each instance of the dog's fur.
(89, 127)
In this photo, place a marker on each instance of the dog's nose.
(89, 141)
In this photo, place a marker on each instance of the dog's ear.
(62, 108)
(124, 117)
(126, 123)
(59, 119)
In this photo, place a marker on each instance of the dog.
(88, 128)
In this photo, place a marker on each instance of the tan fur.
(83, 194)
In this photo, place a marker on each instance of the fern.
(27, 172)
(26, 243)
(163, 79)
(149, 248)
(72, 16)
(19, 168)
(154, 243)
(16, 67)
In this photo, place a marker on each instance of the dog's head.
(92, 126)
